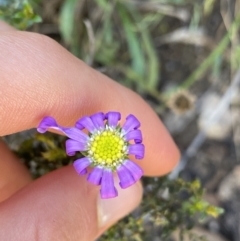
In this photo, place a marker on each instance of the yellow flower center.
(107, 148)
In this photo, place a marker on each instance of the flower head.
(181, 101)
(106, 148)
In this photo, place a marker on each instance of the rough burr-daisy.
(106, 148)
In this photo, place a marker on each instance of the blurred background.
(182, 57)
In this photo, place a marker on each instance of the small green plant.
(167, 205)
(19, 13)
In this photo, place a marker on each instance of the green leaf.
(152, 68)
(19, 14)
(67, 21)
(137, 55)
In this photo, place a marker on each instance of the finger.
(13, 174)
(63, 206)
(41, 78)
(5, 27)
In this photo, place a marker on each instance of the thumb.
(63, 206)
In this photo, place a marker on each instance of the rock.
(217, 129)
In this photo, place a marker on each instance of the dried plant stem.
(198, 73)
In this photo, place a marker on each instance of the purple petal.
(131, 123)
(113, 118)
(81, 164)
(73, 146)
(135, 135)
(107, 185)
(98, 120)
(126, 179)
(95, 176)
(85, 122)
(134, 169)
(46, 123)
(137, 150)
(83, 172)
(73, 133)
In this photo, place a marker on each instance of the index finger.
(38, 78)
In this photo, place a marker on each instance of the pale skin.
(38, 77)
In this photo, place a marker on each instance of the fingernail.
(111, 210)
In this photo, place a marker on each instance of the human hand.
(39, 78)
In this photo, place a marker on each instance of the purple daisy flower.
(106, 148)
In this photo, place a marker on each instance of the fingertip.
(111, 210)
(165, 153)
(63, 206)
(13, 174)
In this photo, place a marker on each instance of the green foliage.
(109, 44)
(167, 205)
(68, 27)
(18, 13)
(218, 51)
(123, 40)
(43, 153)
(135, 50)
(208, 6)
